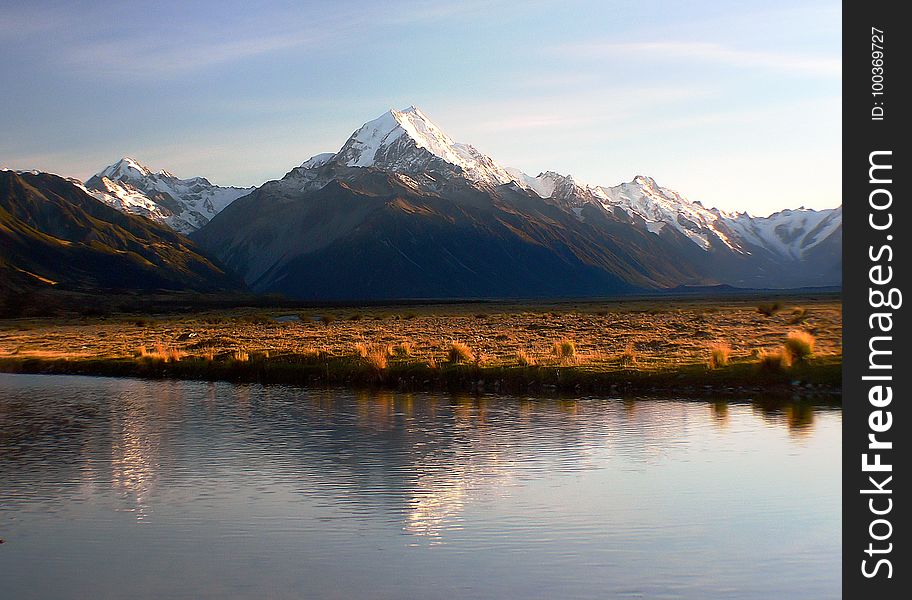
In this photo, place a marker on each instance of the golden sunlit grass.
(564, 350)
(160, 352)
(630, 357)
(769, 309)
(524, 359)
(623, 337)
(799, 315)
(377, 357)
(775, 360)
(460, 353)
(800, 344)
(404, 349)
(719, 355)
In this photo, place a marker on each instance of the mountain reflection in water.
(182, 489)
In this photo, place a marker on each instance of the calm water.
(134, 489)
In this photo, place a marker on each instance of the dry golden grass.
(404, 349)
(775, 360)
(800, 344)
(630, 357)
(564, 350)
(377, 357)
(666, 333)
(460, 353)
(769, 309)
(160, 352)
(719, 355)
(524, 359)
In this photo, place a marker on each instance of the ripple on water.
(183, 489)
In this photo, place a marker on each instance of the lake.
(116, 488)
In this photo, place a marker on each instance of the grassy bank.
(733, 347)
(820, 378)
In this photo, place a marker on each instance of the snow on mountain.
(317, 160)
(643, 197)
(183, 204)
(658, 205)
(789, 232)
(407, 141)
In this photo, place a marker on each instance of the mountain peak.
(183, 204)
(125, 168)
(407, 141)
(645, 181)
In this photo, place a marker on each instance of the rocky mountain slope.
(185, 205)
(53, 235)
(404, 211)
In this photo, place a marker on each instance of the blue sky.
(733, 104)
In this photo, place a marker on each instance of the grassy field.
(731, 346)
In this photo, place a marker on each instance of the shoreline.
(733, 348)
(818, 380)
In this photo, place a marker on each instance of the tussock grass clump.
(524, 359)
(769, 309)
(799, 316)
(404, 349)
(775, 361)
(630, 357)
(240, 356)
(374, 355)
(719, 355)
(800, 344)
(564, 349)
(377, 357)
(460, 353)
(313, 354)
(161, 352)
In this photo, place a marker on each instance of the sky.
(737, 105)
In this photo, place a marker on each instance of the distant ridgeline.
(56, 237)
(403, 211)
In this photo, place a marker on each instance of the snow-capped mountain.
(788, 232)
(185, 205)
(402, 210)
(407, 141)
(408, 144)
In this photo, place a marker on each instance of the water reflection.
(594, 492)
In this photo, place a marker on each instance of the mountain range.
(184, 205)
(55, 236)
(403, 211)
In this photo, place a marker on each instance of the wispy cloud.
(153, 57)
(706, 52)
